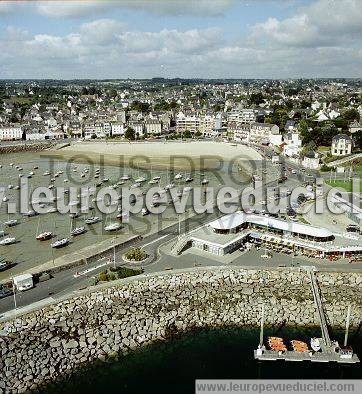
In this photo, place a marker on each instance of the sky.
(181, 38)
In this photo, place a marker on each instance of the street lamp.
(14, 294)
(114, 252)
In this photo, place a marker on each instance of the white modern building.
(227, 234)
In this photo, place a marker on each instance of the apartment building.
(10, 133)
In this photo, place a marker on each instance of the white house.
(118, 129)
(355, 127)
(10, 133)
(341, 145)
(311, 161)
(293, 144)
(265, 133)
(321, 116)
(248, 115)
(153, 126)
(333, 114)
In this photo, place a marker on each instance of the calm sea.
(173, 366)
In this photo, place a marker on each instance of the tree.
(256, 98)
(130, 134)
(351, 114)
(112, 93)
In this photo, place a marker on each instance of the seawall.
(26, 147)
(114, 318)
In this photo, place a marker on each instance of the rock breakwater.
(46, 344)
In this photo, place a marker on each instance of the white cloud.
(168, 7)
(63, 9)
(302, 45)
(323, 23)
(190, 41)
(101, 31)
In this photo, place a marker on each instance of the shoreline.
(159, 155)
(137, 311)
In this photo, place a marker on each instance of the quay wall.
(26, 147)
(114, 318)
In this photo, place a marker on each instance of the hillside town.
(309, 121)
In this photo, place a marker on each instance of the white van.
(23, 282)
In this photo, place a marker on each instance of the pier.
(330, 351)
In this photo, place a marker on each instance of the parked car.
(4, 292)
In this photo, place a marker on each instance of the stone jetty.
(26, 147)
(113, 318)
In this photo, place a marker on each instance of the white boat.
(169, 186)
(31, 173)
(140, 179)
(20, 175)
(11, 223)
(204, 181)
(46, 173)
(120, 183)
(29, 214)
(11, 164)
(135, 185)
(44, 236)
(92, 220)
(315, 344)
(187, 189)
(144, 211)
(17, 187)
(50, 187)
(10, 186)
(5, 199)
(60, 243)
(156, 178)
(178, 176)
(113, 227)
(125, 177)
(153, 182)
(105, 180)
(8, 241)
(78, 231)
(121, 215)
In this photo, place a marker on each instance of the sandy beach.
(180, 155)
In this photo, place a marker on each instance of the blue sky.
(185, 38)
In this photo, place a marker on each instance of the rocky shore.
(46, 344)
(26, 147)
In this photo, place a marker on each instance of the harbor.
(25, 240)
(322, 350)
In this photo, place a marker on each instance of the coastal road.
(64, 281)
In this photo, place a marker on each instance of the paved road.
(64, 282)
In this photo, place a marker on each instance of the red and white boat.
(44, 236)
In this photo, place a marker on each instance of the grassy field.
(18, 100)
(346, 185)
